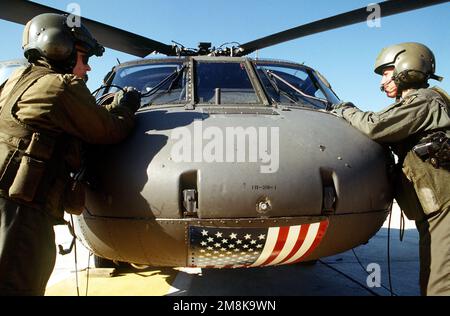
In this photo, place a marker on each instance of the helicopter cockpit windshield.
(230, 80)
(223, 81)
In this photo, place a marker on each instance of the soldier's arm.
(78, 115)
(393, 124)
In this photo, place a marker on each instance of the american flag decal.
(216, 247)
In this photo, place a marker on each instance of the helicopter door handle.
(329, 200)
(190, 202)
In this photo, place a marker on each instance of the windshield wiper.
(156, 88)
(275, 86)
(274, 75)
(175, 76)
(176, 79)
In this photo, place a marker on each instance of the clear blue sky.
(344, 56)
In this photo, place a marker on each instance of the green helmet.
(50, 36)
(413, 63)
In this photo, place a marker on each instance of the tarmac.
(363, 271)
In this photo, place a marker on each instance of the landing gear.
(139, 266)
(101, 262)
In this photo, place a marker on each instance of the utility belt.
(434, 149)
(24, 165)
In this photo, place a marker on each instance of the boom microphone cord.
(402, 225)
(362, 266)
(87, 272)
(402, 220)
(389, 252)
(350, 278)
(76, 263)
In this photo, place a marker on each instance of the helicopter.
(228, 165)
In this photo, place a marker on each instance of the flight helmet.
(49, 35)
(413, 63)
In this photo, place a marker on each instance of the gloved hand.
(338, 109)
(342, 105)
(129, 97)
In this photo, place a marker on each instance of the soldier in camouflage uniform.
(46, 114)
(417, 129)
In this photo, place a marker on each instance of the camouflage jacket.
(401, 126)
(61, 109)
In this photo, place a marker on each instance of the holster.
(33, 168)
(434, 149)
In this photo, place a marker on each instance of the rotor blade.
(21, 11)
(359, 15)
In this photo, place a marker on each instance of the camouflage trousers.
(27, 249)
(434, 251)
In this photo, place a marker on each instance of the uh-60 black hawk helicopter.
(229, 164)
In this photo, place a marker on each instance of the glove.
(129, 97)
(338, 109)
(342, 105)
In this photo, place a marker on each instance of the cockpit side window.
(292, 85)
(159, 83)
